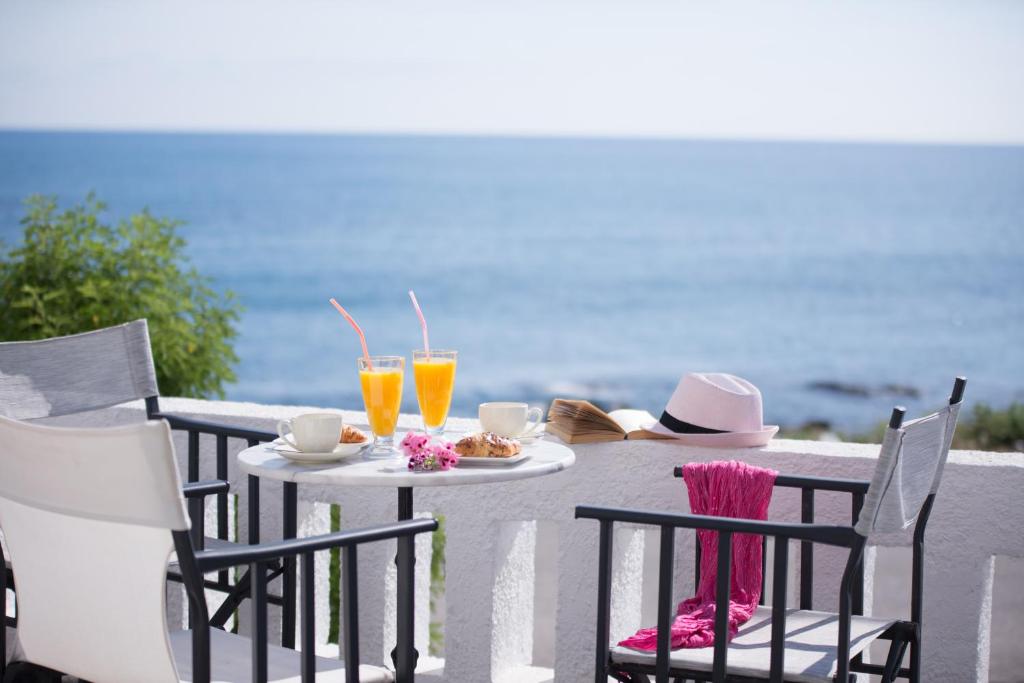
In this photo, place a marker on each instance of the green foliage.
(992, 430)
(74, 273)
(982, 429)
(334, 581)
(437, 574)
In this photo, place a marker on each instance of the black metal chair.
(104, 506)
(106, 367)
(778, 643)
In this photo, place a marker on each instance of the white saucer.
(342, 450)
(538, 433)
(469, 461)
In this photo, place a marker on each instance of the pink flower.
(414, 443)
(425, 456)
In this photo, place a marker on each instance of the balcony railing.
(521, 576)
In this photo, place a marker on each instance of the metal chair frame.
(259, 558)
(902, 634)
(235, 593)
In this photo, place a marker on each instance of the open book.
(583, 422)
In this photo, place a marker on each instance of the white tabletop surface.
(547, 456)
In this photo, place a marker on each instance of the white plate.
(468, 461)
(538, 433)
(342, 450)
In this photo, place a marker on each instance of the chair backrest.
(88, 515)
(909, 469)
(76, 373)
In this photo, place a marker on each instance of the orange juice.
(435, 379)
(382, 395)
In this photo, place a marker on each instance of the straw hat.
(714, 409)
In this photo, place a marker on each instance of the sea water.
(839, 278)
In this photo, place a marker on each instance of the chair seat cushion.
(231, 662)
(810, 646)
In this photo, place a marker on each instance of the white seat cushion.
(810, 646)
(231, 662)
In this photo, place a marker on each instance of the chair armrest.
(822, 483)
(817, 483)
(178, 422)
(201, 489)
(843, 536)
(214, 560)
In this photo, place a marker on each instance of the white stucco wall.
(492, 549)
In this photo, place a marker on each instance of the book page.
(631, 420)
(582, 417)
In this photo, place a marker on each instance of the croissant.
(487, 445)
(350, 434)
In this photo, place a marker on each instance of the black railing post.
(198, 616)
(405, 655)
(254, 509)
(405, 560)
(604, 601)
(697, 551)
(806, 551)
(764, 566)
(723, 577)
(307, 666)
(350, 594)
(858, 577)
(222, 498)
(666, 560)
(917, 585)
(845, 605)
(289, 530)
(258, 578)
(779, 585)
(193, 455)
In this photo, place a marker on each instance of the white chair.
(104, 507)
(778, 643)
(81, 372)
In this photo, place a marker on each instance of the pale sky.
(937, 70)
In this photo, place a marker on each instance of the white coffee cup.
(312, 432)
(509, 419)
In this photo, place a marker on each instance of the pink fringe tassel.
(725, 489)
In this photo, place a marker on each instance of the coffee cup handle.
(281, 426)
(538, 416)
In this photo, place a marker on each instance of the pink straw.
(423, 322)
(359, 331)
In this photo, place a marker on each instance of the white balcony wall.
(495, 628)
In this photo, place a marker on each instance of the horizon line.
(503, 134)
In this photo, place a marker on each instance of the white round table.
(546, 456)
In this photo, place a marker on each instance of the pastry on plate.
(350, 434)
(487, 445)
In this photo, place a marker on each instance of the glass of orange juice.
(381, 379)
(435, 380)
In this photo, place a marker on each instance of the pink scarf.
(723, 489)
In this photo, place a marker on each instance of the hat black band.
(680, 427)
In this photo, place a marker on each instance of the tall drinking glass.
(435, 380)
(381, 379)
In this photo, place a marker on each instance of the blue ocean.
(839, 278)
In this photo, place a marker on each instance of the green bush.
(74, 273)
(982, 429)
(992, 430)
